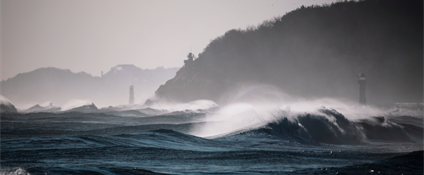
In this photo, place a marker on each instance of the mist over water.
(75, 103)
(256, 106)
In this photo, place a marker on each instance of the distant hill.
(60, 86)
(315, 52)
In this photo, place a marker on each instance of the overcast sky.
(95, 35)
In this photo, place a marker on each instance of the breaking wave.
(309, 125)
(331, 127)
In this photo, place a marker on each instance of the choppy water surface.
(234, 140)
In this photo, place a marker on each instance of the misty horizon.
(86, 72)
(66, 87)
(52, 35)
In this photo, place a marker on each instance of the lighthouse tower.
(362, 81)
(131, 95)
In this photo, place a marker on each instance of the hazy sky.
(95, 35)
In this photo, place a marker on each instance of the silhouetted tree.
(190, 56)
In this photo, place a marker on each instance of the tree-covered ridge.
(316, 51)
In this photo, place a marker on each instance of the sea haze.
(63, 87)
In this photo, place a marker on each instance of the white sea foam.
(251, 110)
(75, 103)
(194, 105)
(17, 171)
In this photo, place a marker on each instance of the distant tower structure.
(190, 59)
(131, 95)
(102, 74)
(362, 81)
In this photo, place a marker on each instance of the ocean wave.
(331, 127)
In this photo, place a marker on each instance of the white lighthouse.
(362, 81)
(131, 95)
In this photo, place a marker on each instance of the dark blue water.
(164, 142)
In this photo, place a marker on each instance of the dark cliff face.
(315, 52)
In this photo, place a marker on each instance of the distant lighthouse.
(131, 95)
(362, 81)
